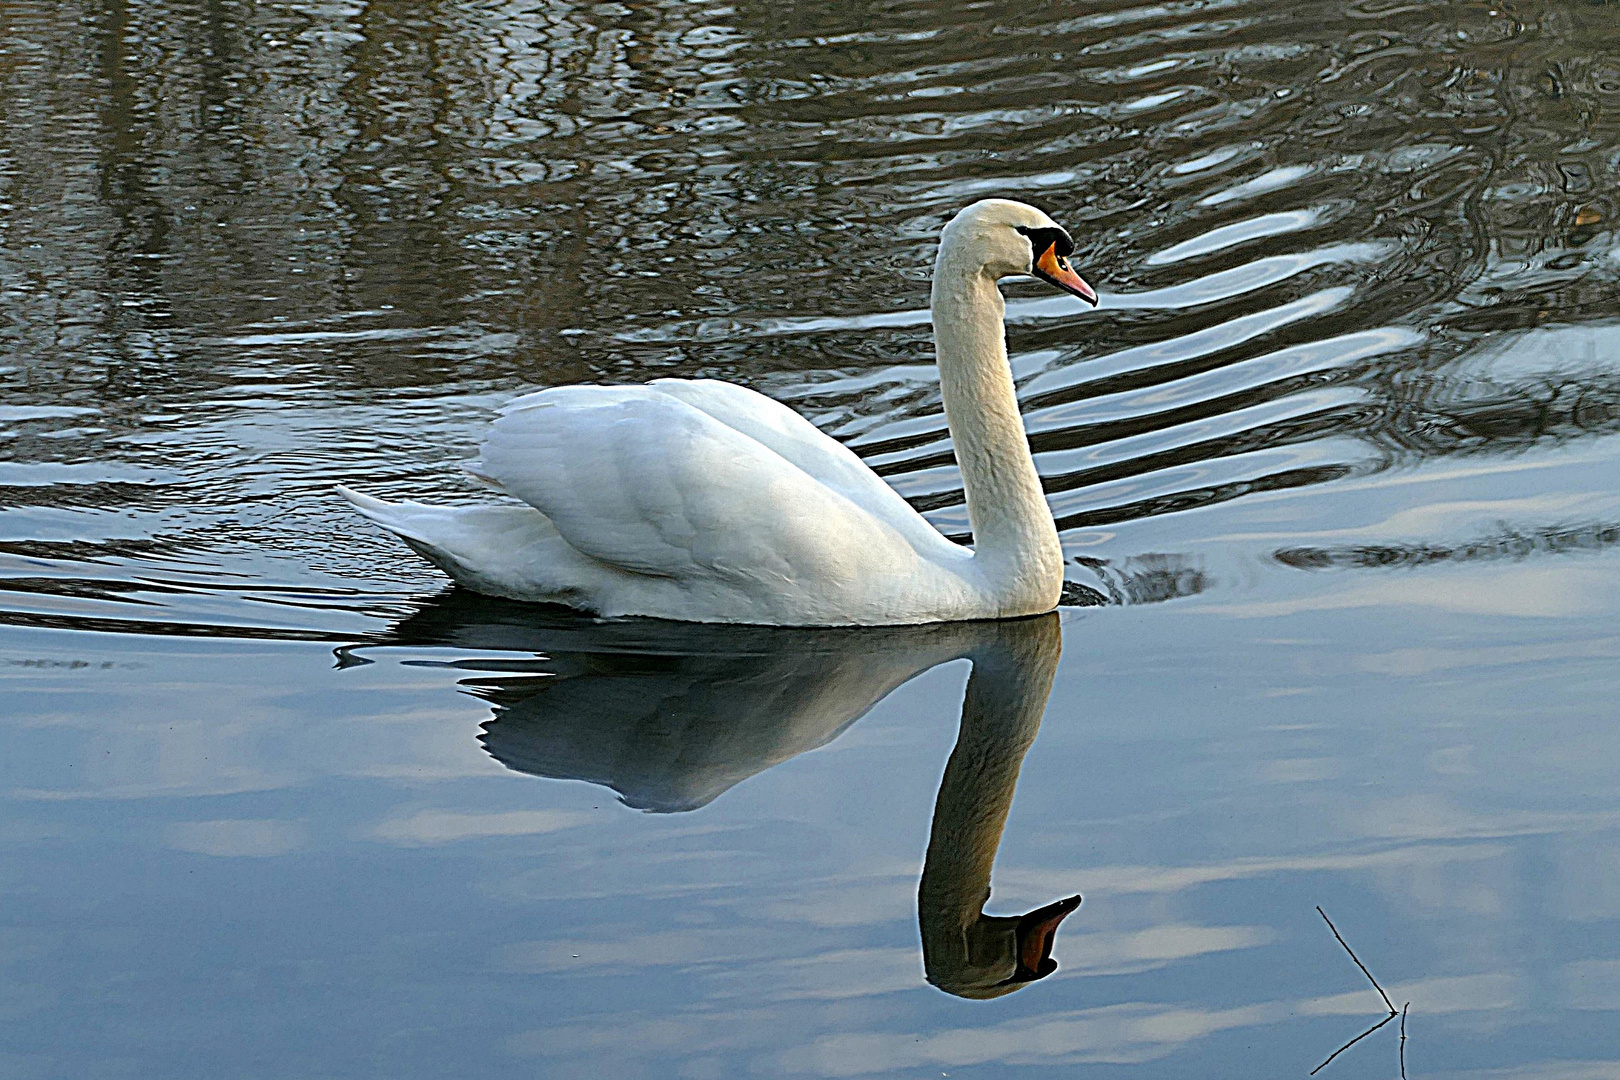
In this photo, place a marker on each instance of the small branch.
(1353, 1042)
(1359, 964)
(1408, 1005)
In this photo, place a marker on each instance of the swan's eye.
(1042, 239)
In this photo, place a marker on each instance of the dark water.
(1335, 462)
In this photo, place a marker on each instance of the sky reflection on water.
(337, 853)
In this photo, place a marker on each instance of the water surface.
(1334, 463)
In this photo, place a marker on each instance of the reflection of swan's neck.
(1013, 531)
(965, 951)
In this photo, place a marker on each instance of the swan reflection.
(671, 716)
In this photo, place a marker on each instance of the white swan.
(707, 502)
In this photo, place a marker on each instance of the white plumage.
(706, 501)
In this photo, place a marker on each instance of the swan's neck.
(1001, 713)
(1013, 534)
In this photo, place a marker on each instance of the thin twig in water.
(1408, 1005)
(1357, 959)
(1353, 1042)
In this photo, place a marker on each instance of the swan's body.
(705, 501)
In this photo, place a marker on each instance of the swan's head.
(1009, 239)
(995, 954)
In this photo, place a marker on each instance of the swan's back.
(691, 500)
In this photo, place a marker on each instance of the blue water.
(240, 859)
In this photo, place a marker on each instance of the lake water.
(1335, 462)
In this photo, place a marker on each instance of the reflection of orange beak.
(1050, 266)
(1036, 933)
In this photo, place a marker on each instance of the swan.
(703, 501)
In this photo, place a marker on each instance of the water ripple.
(242, 258)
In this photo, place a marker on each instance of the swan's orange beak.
(1035, 935)
(1052, 267)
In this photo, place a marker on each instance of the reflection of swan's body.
(705, 501)
(672, 716)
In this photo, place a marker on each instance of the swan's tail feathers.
(475, 469)
(437, 533)
(504, 550)
(402, 519)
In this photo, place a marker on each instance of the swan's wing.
(634, 477)
(811, 449)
